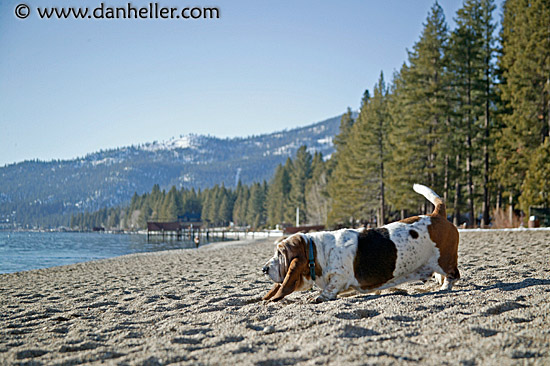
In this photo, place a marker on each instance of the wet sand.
(203, 307)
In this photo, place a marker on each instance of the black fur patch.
(413, 233)
(375, 260)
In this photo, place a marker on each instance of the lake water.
(23, 251)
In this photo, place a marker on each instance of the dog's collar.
(311, 258)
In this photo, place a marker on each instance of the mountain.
(38, 193)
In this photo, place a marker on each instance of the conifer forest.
(467, 114)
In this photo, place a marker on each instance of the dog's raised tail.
(433, 198)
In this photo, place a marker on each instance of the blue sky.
(71, 87)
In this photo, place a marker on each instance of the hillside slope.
(37, 193)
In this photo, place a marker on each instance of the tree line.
(255, 206)
(466, 114)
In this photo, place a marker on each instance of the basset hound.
(368, 260)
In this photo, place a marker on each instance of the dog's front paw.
(319, 299)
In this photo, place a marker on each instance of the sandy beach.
(204, 307)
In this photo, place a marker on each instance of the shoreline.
(237, 236)
(217, 242)
(204, 307)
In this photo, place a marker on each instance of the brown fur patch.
(445, 236)
(410, 220)
(294, 250)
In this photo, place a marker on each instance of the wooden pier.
(196, 233)
(174, 230)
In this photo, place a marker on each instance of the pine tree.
(316, 192)
(419, 111)
(525, 89)
(215, 214)
(289, 208)
(256, 206)
(172, 206)
(464, 56)
(489, 98)
(191, 202)
(208, 202)
(300, 175)
(241, 204)
(135, 202)
(219, 213)
(144, 215)
(367, 153)
(155, 202)
(357, 185)
(471, 63)
(376, 141)
(113, 220)
(344, 207)
(225, 209)
(346, 123)
(536, 186)
(278, 196)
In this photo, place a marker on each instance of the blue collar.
(311, 258)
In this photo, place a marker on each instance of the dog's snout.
(265, 269)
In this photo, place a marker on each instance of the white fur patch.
(413, 253)
(335, 254)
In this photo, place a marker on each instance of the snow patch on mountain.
(190, 141)
(327, 140)
(106, 161)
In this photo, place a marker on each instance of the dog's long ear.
(290, 248)
(295, 264)
(292, 279)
